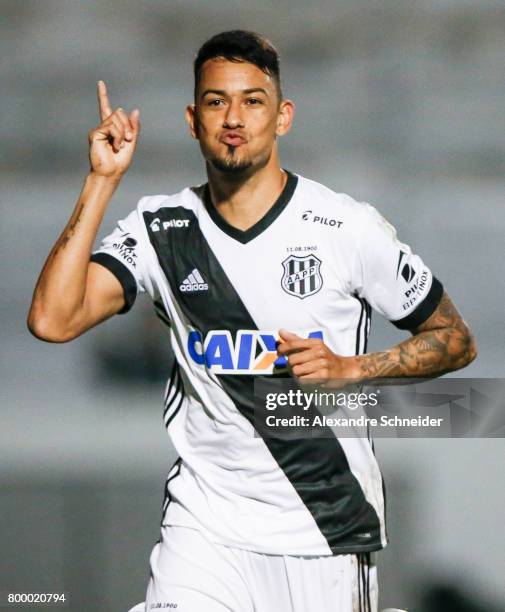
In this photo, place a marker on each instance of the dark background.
(399, 104)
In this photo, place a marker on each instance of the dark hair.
(240, 46)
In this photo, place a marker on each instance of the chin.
(231, 166)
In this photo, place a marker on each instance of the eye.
(254, 101)
(215, 102)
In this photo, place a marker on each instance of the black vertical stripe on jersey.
(368, 311)
(302, 280)
(161, 312)
(171, 400)
(291, 266)
(162, 318)
(363, 328)
(312, 263)
(360, 607)
(167, 498)
(358, 329)
(369, 603)
(175, 411)
(170, 384)
(175, 383)
(174, 404)
(317, 468)
(385, 506)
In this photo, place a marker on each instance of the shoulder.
(324, 195)
(319, 198)
(189, 198)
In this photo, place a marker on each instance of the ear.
(192, 120)
(285, 117)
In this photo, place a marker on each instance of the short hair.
(240, 46)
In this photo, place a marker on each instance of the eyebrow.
(222, 92)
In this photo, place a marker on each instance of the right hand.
(113, 142)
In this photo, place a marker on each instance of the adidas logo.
(194, 282)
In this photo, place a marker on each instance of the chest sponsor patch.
(246, 352)
(302, 275)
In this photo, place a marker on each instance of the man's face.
(237, 115)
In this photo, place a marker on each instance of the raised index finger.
(103, 101)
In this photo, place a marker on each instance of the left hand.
(310, 359)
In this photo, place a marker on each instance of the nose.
(233, 116)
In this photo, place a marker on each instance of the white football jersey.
(315, 264)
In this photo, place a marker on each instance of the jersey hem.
(332, 550)
(352, 550)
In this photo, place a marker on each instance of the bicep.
(446, 330)
(445, 315)
(104, 296)
(115, 273)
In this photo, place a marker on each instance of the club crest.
(302, 275)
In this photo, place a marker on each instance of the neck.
(243, 199)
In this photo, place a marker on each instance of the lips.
(232, 139)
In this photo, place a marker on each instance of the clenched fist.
(112, 143)
(310, 360)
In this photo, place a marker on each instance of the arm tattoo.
(64, 240)
(443, 343)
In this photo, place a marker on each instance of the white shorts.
(191, 574)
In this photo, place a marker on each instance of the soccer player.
(257, 268)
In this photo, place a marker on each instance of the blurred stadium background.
(398, 103)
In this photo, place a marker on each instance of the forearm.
(429, 353)
(61, 287)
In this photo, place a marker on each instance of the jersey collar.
(268, 218)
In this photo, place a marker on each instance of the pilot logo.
(407, 272)
(155, 224)
(309, 216)
(129, 242)
(302, 275)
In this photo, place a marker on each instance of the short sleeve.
(393, 280)
(121, 253)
